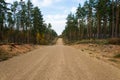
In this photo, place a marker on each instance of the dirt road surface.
(58, 62)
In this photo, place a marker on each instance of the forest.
(22, 23)
(96, 19)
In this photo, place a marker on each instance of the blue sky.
(55, 11)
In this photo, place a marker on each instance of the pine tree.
(3, 11)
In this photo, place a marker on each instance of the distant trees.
(23, 23)
(96, 19)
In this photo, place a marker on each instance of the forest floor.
(108, 53)
(9, 50)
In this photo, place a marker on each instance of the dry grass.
(117, 56)
(4, 55)
(114, 41)
(8, 51)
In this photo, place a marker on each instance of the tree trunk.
(99, 26)
(105, 27)
(1, 31)
(113, 18)
(117, 19)
(88, 27)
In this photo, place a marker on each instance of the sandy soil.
(57, 62)
(17, 49)
(102, 52)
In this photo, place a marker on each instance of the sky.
(55, 11)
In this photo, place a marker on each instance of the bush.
(4, 55)
(117, 56)
(114, 41)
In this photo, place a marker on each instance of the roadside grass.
(4, 55)
(114, 41)
(117, 56)
(10, 50)
(86, 41)
(96, 41)
(113, 60)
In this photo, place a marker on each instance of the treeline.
(20, 22)
(96, 19)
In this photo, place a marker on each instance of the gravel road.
(57, 62)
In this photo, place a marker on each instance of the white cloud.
(44, 3)
(58, 22)
(56, 17)
(81, 1)
(58, 26)
(40, 3)
(73, 10)
(11, 1)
